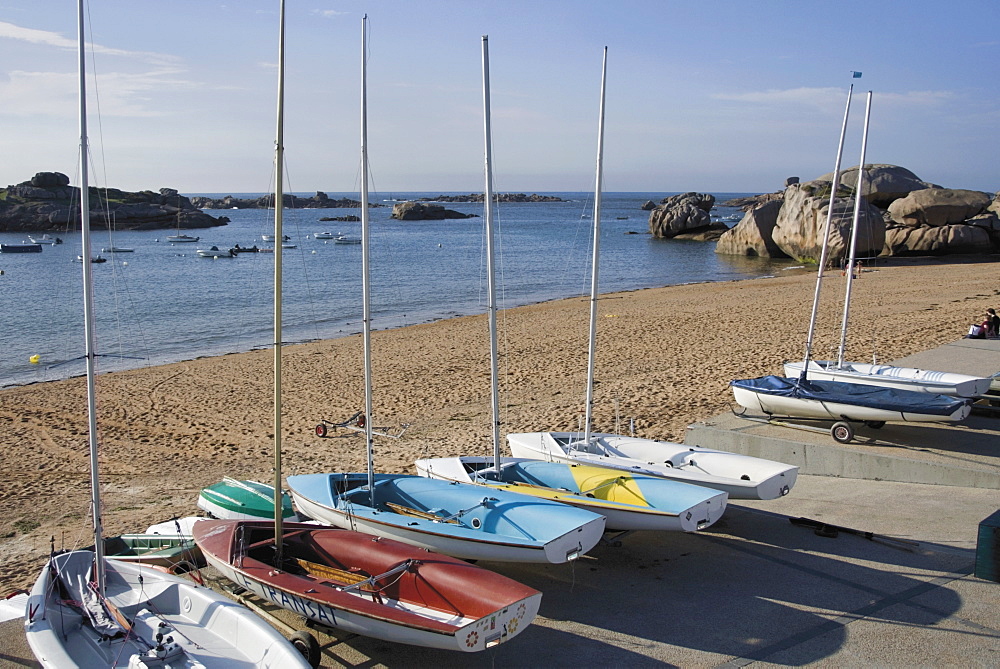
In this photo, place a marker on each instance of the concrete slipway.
(756, 589)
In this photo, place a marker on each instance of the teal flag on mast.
(856, 75)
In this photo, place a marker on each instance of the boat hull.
(437, 602)
(628, 502)
(887, 376)
(20, 248)
(206, 627)
(451, 518)
(814, 406)
(243, 500)
(740, 476)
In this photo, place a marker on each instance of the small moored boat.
(20, 248)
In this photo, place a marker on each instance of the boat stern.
(500, 626)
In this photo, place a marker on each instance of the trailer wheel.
(875, 424)
(306, 644)
(842, 432)
(320, 430)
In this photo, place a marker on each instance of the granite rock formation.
(685, 215)
(318, 201)
(422, 211)
(752, 236)
(47, 203)
(900, 215)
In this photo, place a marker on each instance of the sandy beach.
(665, 358)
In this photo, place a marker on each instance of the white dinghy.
(839, 400)
(88, 611)
(456, 519)
(628, 502)
(741, 476)
(888, 376)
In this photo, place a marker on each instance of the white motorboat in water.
(215, 252)
(741, 476)
(45, 239)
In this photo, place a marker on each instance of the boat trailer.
(841, 429)
(356, 423)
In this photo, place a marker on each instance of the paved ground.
(753, 589)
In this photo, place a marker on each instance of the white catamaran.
(838, 391)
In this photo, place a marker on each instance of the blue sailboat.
(457, 519)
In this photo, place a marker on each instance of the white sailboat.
(890, 376)
(843, 400)
(628, 502)
(87, 611)
(356, 582)
(453, 518)
(873, 374)
(738, 476)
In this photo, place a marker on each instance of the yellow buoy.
(35, 359)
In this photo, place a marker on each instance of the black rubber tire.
(321, 430)
(875, 424)
(842, 432)
(306, 644)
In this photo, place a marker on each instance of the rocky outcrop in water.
(685, 216)
(47, 203)
(902, 215)
(318, 201)
(422, 211)
(497, 197)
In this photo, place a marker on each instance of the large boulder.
(801, 221)
(49, 180)
(906, 240)
(684, 214)
(938, 206)
(753, 236)
(883, 183)
(419, 211)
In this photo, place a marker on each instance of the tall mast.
(491, 254)
(826, 238)
(592, 349)
(279, 202)
(858, 191)
(365, 265)
(90, 346)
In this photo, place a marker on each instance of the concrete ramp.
(955, 454)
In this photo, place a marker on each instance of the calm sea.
(163, 303)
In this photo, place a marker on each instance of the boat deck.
(956, 454)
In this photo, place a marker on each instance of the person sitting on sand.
(991, 325)
(988, 328)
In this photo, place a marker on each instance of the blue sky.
(702, 95)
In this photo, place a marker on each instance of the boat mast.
(592, 349)
(90, 346)
(365, 265)
(279, 202)
(826, 238)
(858, 191)
(490, 255)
